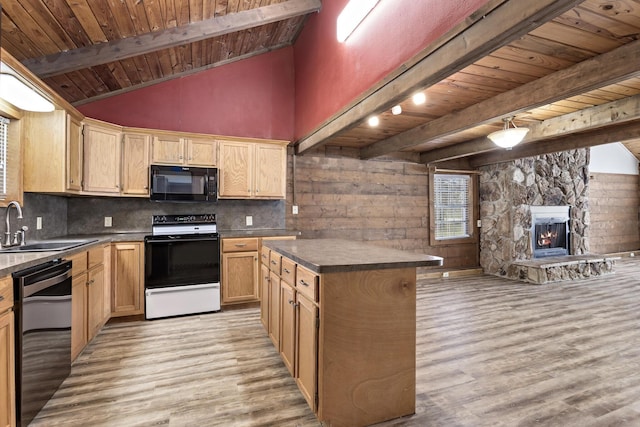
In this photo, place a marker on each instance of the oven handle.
(170, 239)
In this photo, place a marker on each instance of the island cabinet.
(88, 290)
(347, 326)
(7, 354)
(127, 276)
(102, 157)
(53, 152)
(252, 170)
(179, 149)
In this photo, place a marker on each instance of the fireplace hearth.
(549, 231)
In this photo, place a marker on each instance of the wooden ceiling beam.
(599, 71)
(615, 112)
(600, 136)
(103, 53)
(504, 24)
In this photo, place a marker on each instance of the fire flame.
(547, 238)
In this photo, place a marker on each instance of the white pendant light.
(508, 137)
(19, 94)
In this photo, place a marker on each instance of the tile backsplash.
(86, 215)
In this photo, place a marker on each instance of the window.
(452, 213)
(4, 142)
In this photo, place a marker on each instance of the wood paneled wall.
(614, 202)
(383, 203)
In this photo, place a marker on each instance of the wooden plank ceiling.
(567, 69)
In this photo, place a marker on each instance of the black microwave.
(183, 184)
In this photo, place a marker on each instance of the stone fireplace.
(549, 231)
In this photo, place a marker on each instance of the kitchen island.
(342, 314)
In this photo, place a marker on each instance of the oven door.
(181, 260)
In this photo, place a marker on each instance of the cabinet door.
(127, 275)
(271, 171)
(235, 169)
(239, 277)
(95, 301)
(78, 314)
(287, 325)
(106, 300)
(74, 154)
(264, 296)
(274, 309)
(307, 349)
(101, 159)
(135, 164)
(202, 152)
(167, 149)
(7, 371)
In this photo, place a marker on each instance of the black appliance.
(182, 266)
(43, 335)
(183, 184)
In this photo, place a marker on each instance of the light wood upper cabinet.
(136, 149)
(175, 150)
(202, 152)
(252, 170)
(53, 152)
(101, 157)
(74, 154)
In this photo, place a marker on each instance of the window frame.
(472, 203)
(14, 143)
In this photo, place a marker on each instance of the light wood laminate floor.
(491, 352)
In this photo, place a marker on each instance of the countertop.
(11, 262)
(335, 255)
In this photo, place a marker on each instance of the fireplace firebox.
(549, 231)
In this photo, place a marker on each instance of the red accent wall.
(329, 75)
(250, 98)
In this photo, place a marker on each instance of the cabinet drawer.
(274, 262)
(6, 293)
(96, 256)
(79, 261)
(239, 245)
(264, 255)
(307, 283)
(288, 271)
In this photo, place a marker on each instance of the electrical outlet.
(38, 223)
(294, 210)
(107, 221)
(445, 274)
(249, 220)
(479, 223)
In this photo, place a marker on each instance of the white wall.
(613, 158)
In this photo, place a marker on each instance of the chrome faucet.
(7, 233)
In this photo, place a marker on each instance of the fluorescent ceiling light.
(19, 94)
(352, 15)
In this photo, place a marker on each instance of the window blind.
(4, 142)
(451, 206)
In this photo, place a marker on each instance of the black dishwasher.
(43, 335)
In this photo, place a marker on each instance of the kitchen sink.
(47, 246)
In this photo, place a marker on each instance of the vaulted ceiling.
(567, 69)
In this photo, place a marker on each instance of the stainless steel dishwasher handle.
(37, 287)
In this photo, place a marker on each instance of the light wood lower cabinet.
(127, 277)
(88, 290)
(239, 270)
(7, 354)
(264, 295)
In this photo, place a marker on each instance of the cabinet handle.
(267, 278)
(1, 298)
(146, 187)
(240, 245)
(302, 282)
(273, 262)
(286, 270)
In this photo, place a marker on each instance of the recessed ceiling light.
(373, 121)
(419, 98)
(396, 110)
